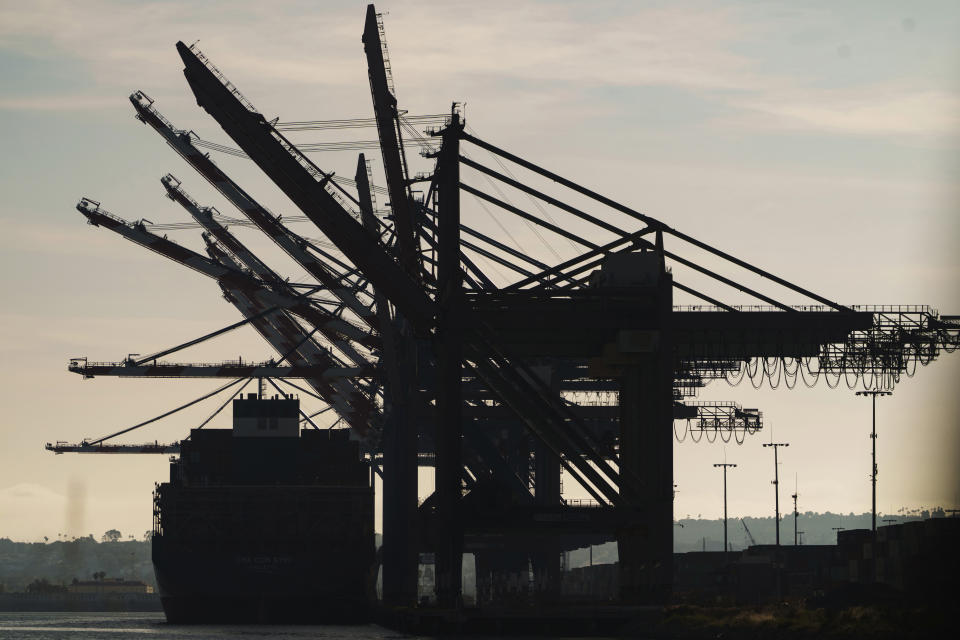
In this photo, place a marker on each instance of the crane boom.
(347, 400)
(59, 447)
(232, 279)
(294, 245)
(204, 216)
(305, 184)
(391, 140)
(291, 336)
(137, 232)
(227, 369)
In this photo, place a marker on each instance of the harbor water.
(153, 626)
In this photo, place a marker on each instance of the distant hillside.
(61, 562)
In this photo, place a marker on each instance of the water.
(153, 626)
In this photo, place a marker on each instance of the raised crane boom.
(350, 403)
(295, 246)
(391, 140)
(137, 232)
(204, 216)
(305, 184)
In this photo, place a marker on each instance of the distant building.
(109, 586)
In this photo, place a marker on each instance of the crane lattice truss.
(582, 364)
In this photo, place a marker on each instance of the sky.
(819, 141)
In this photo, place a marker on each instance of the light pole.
(725, 465)
(776, 484)
(795, 513)
(873, 437)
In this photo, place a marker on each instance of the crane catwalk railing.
(199, 370)
(222, 78)
(318, 174)
(386, 55)
(78, 365)
(145, 103)
(175, 189)
(85, 447)
(872, 308)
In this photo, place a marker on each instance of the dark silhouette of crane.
(414, 347)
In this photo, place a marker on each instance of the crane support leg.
(645, 545)
(546, 560)
(400, 498)
(448, 437)
(400, 531)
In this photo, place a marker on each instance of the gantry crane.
(427, 359)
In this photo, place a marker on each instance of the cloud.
(884, 110)
(677, 46)
(554, 50)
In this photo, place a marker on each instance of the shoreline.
(69, 602)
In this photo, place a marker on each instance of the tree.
(111, 536)
(42, 585)
(99, 575)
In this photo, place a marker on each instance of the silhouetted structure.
(873, 393)
(725, 465)
(776, 485)
(429, 362)
(261, 523)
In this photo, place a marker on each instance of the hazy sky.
(818, 140)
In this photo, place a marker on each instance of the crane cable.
(535, 201)
(201, 398)
(168, 413)
(353, 123)
(221, 407)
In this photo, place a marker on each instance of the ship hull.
(265, 555)
(230, 584)
(262, 609)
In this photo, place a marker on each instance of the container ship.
(263, 523)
